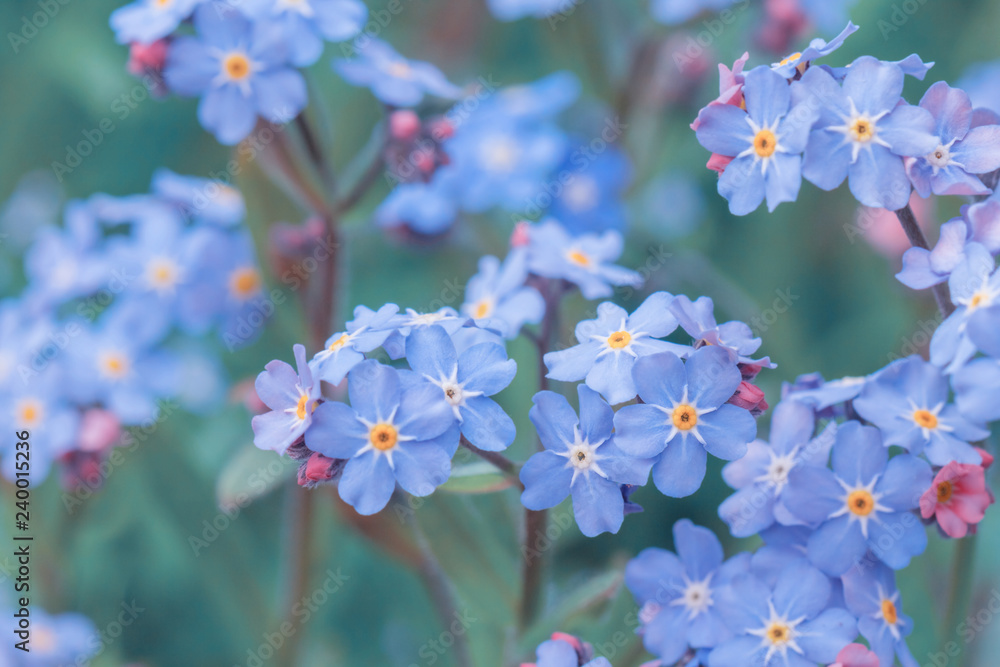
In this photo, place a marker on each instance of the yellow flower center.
(944, 491)
(483, 309)
(862, 130)
(383, 436)
(300, 409)
(339, 343)
(925, 419)
(778, 633)
(979, 299)
(244, 282)
(161, 273)
(685, 417)
(236, 66)
(619, 339)
(579, 258)
(114, 365)
(765, 143)
(29, 412)
(794, 56)
(860, 502)
(400, 70)
(889, 612)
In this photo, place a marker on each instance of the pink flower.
(957, 498)
(731, 93)
(99, 430)
(856, 655)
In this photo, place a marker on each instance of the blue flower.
(674, 12)
(826, 398)
(293, 396)
(975, 289)
(582, 459)
(864, 503)
(924, 268)
(566, 651)
(391, 433)
(790, 623)
(766, 142)
(499, 161)
(684, 415)
(678, 594)
(697, 318)
(979, 81)
(610, 345)
(240, 70)
(511, 10)
(497, 297)
(39, 405)
(591, 199)
(965, 147)
(64, 264)
(976, 386)
(817, 48)
(392, 78)
(908, 401)
(466, 381)
(56, 639)
(306, 23)
(531, 102)
(761, 476)
(201, 199)
(871, 594)
(403, 324)
(425, 208)
(146, 21)
(863, 133)
(346, 349)
(119, 364)
(584, 260)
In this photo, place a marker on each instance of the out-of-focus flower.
(304, 24)
(591, 199)
(392, 78)
(145, 21)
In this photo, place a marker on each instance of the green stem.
(297, 560)
(962, 570)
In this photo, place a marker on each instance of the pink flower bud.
(147, 57)
(856, 655)
(99, 430)
(749, 397)
(404, 125)
(521, 235)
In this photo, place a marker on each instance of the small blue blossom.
(61, 265)
(761, 476)
(390, 433)
(871, 594)
(466, 381)
(497, 297)
(499, 161)
(584, 260)
(790, 623)
(404, 323)
(677, 593)
(610, 345)
(864, 502)
(924, 268)
(240, 70)
(200, 199)
(346, 349)
(392, 78)
(146, 21)
(697, 318)
(863, 133)
(591, 200)
(908, 401)
(566, 651)
(38, 405)
(766, 142)
(118, 362)
(292, 395)
(674, 12)
(532, 102)
(684, 415)
(976, 385)
(818, 48)
(826, 398)
(975, 289)
(965, 149)
(582, 459)
(306, 23)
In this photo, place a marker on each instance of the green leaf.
(477, 477)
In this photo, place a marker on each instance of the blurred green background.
(131, 539)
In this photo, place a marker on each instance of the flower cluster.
(795, 120)
(88, 347)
